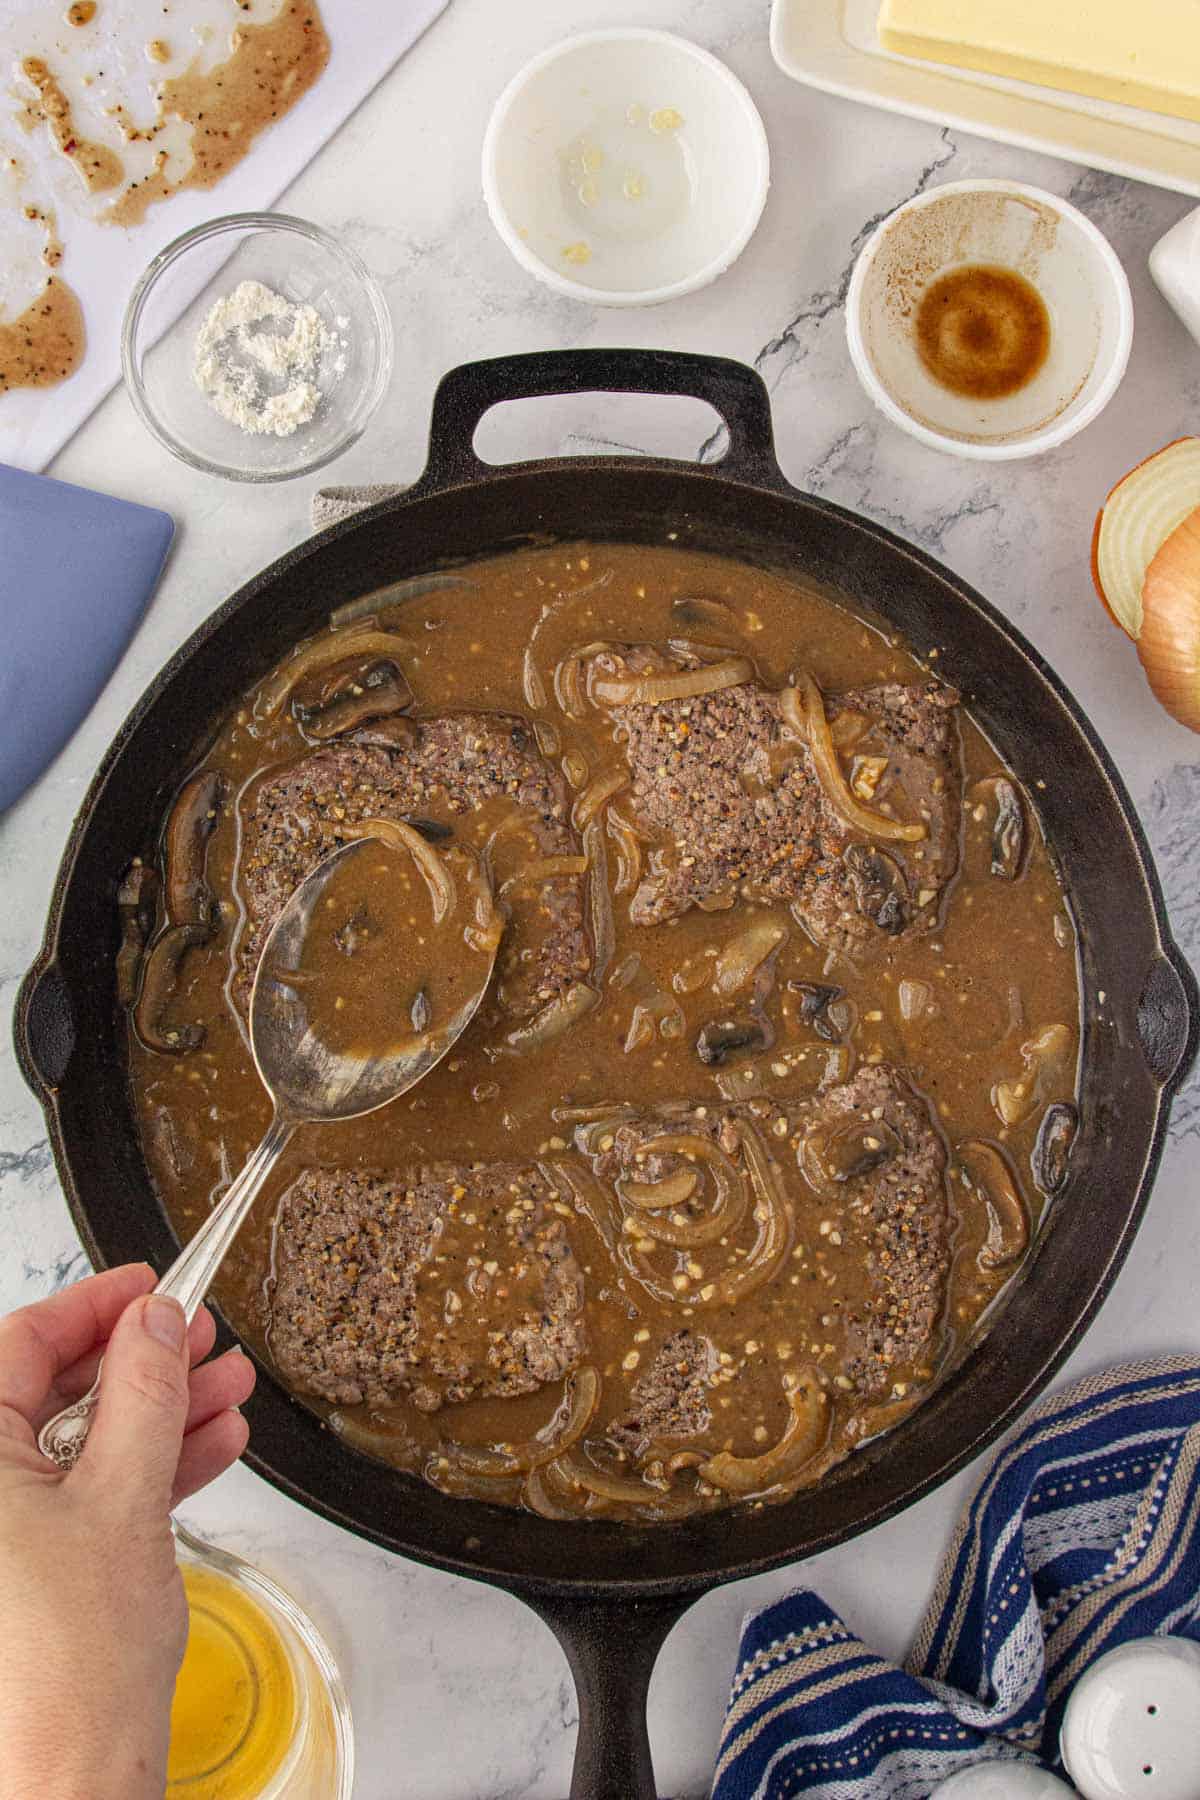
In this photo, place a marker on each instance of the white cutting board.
(102, 262)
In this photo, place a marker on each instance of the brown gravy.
(719, 1053)
(982, 331)
(45, 343)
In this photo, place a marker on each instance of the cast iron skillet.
(612, 1592)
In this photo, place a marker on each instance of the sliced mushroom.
(880, 890)
(137, 899)
(833, 1154)
(821, 1007)
(988, 1173)
(187, 896)
(432, 830)
(352, 698)
(1052, 1151)
(698, 610)
(160, 979)
(1008, 834)
(722, 1038)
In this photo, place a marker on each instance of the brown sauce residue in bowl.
(982, 331)
(773, 1079)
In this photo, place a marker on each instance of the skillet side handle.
(1168, 1018)
(44, 1028)
(733, 390)
(612, 1647)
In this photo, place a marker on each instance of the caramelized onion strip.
(774, 1220)
(600, 909)
(657, 1196)
(684, 684)
(787, 1460)
(320, 653)
(730, 1191)
(376, 606)
(576, 1410)
(623, 1490)
(397, 836)
(558, 1015)
(595, 795)
(629, 852)
(804, 711)
(549, 869)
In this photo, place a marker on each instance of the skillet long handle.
(612, 1646)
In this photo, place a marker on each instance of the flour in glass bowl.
(264, 362)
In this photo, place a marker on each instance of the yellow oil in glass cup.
(260, 1710)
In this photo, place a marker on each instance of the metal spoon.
(307, 1083)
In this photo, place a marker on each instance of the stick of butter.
(1147, 54)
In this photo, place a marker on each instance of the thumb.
(136, 1436)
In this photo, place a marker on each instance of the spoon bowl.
(308, 1081)
(308, 1084)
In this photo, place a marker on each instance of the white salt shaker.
(1175, 266)
(1131, 1730)
(1003, 1781)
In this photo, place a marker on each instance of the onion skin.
(1169, 645)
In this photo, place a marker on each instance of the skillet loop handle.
(44, 1027)
(1168, 1018)
(612, 1646)
(732, 389)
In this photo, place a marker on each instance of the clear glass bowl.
(307, 266)
(276, 1724)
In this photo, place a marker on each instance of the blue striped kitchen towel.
(1084, 1532)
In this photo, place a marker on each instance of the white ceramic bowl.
(625, 167)
(1070, 263)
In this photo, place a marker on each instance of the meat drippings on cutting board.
(269, 68)
(982, 331)
(46, 342)
(99, 168)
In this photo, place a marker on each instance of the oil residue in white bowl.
(625, 179)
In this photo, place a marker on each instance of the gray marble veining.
(460, 1693)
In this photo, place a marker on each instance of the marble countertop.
(458, 1692)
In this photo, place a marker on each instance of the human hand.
(93, 1619)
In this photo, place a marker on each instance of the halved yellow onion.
(1169, 644)
(1140, 513)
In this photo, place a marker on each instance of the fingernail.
(164, 1320)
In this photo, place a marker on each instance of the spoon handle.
(187, 1280)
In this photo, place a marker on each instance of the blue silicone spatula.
(77, 570)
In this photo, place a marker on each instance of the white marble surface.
(459, 1694)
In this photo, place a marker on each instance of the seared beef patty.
(735, 808)
(431, 773)
(670, 1401)
(863, 1169)
(440, 1285)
